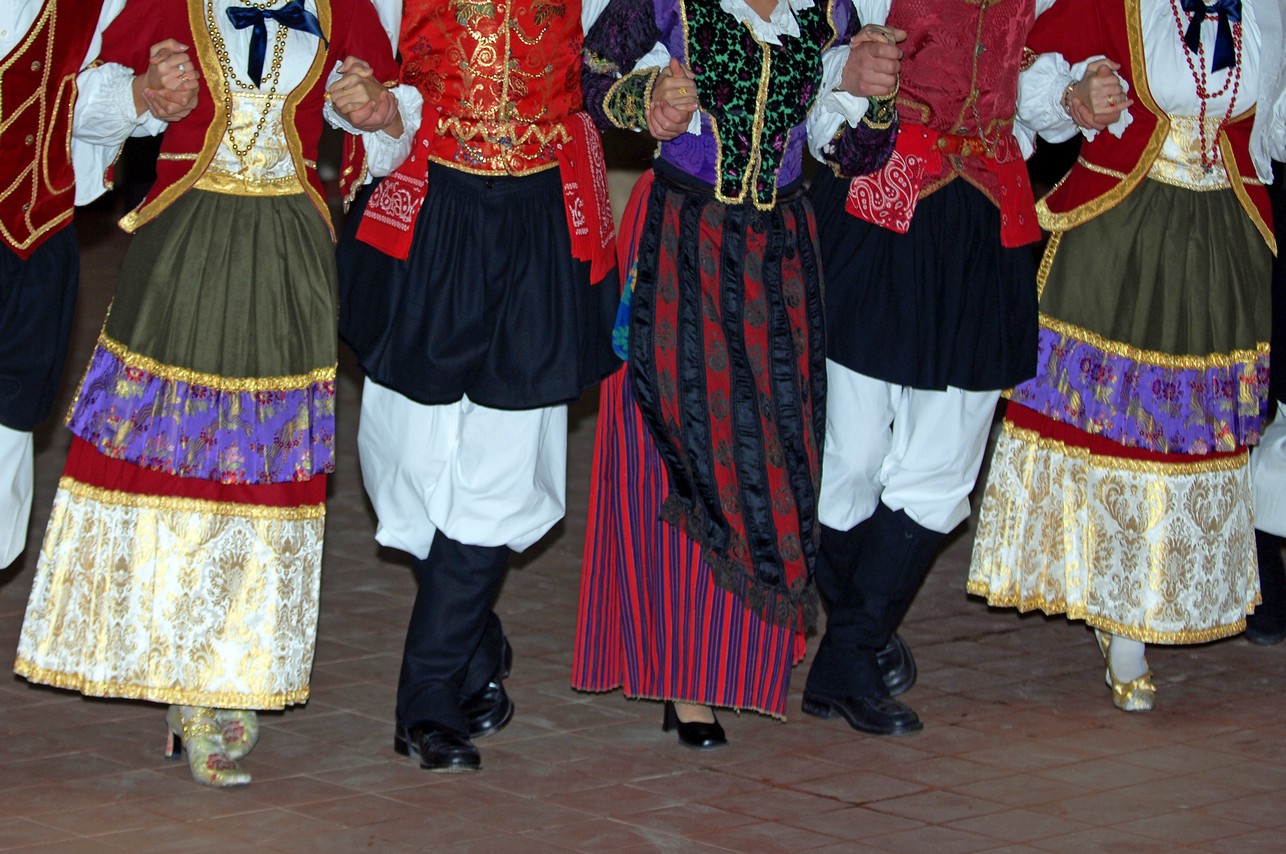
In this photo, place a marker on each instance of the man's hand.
(363, 101)
(874, 62)
(674, 100)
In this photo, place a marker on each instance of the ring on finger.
(1111, 101)
(683, 90)
(183, 78)
(181, 68)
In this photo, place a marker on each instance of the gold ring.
(683, 90)
(183, 78)
(1111, 102)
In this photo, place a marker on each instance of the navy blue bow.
(1229, 12)
(293, 16)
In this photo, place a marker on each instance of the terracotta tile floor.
(1022, 750)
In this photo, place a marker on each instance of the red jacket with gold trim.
(498, 79)
(37, 93)
(1109, 168)
(352, 29)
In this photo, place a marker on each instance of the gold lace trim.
(175, 696)
(1199, 465)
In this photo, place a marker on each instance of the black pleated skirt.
(490, 304)
(943, 305)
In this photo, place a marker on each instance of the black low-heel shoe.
(437, 748)
(694, 734)
(874, 715)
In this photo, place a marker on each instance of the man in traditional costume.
(45, 44)
(477, 293)
(930, 311)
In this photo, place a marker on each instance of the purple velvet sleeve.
(623, 34)
(861, 150)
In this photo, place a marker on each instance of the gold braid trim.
(627, 101)
(174, 503)
(1154, 357)
(174, 696)
(1145, 635)
(239, 384)
(1199, 465)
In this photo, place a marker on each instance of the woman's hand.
(169, 86)
(874, 62)
(1097, 99)
(674, 100)
(363, 101)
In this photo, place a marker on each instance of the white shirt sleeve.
(104, 115)
(384, 153)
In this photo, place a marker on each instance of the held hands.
(363, 101)
(874, 62)
(169, 86)
(674, 100)
(1097, 99)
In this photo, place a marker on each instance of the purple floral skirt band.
(1180, 405)
(183, 423)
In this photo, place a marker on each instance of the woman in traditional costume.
(1119, 493)
(721, 405)
(182, 560)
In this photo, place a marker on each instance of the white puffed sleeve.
(384, 153)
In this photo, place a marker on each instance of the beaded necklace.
(230, 76)
(1208, 158)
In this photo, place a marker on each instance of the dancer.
(725, 382)
(478, 309)
(1119, 493)
(182, 560)
(930, 310)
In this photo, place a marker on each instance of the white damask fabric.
(1155, 552)
(175, 600)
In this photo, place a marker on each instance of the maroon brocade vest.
(960, 76)
(37, 93)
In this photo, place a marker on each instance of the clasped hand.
(168, 89)
(1097, 99)
(363, 101)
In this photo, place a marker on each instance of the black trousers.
(37, 298)
(454, 643)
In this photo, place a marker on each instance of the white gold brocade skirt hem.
(1159, 553)
(174, 600)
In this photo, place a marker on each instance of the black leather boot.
(865, 600)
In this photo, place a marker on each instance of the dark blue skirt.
(37, 297)
(943, 305)
(490, 304)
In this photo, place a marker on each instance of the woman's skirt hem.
(156, 694)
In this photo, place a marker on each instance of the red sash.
(589, 211)
(388, 222)
(888, 198)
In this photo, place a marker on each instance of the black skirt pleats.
(37, 298)
(727, 362)
(943, 305)
(490, 304)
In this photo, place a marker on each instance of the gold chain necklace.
(230, 77)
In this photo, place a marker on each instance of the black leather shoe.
(874, 715)
(437, 748)
(488, 711)
(897, 666)
(694, 734)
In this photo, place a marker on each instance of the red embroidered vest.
(37, 92)
(498, 78)
(960, 76)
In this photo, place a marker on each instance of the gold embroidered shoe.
(193, 729)
(1137, 695)
(240, 728)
